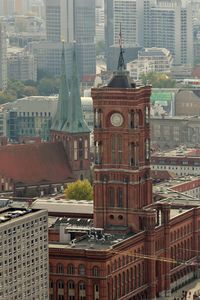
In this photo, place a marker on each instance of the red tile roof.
(162, 175)
(35, 163)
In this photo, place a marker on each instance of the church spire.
(63, 100)
(76, 122)
(121, 64)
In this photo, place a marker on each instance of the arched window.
(60, 284)
(131, 119)
(70, 290)
(70, 269)
(86, 149)
(81, 270)
(98, 152)
(60, 290)
(80, 148)
(116, 149)
(113, 149)
(75, 150)
(147, 149)
(82, 291)
(119, 143)
(147, 114)
(60, 269)
(96, 292)
(95, 271)
(111, 196)
(120, 197)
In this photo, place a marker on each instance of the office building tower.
(171, 27)
(21, 65)
(24, 254)
(126, 14)
(53, 28)
(74, 21)
(3, 58)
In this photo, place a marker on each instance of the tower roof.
(69, 115)
(64, 98)
(121, 78)
(75, 121)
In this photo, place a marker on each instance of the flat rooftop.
(53, 205)
(8, 215)
(179, 152)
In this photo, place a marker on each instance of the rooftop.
(55, 206)
(8, 215)
(181, 151)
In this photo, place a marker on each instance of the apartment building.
(24, 254)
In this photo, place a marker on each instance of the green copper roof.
(63, 99)
(69, 115)
(75, 121)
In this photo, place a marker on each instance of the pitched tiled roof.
(35, 163)
(162, 174)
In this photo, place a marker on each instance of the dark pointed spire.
(121, 78)
(63, 100)
(121, 64)
(75, 122)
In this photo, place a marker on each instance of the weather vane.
(121, 64)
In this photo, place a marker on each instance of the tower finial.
(121, 64)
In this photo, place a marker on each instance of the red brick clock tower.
(122, 184)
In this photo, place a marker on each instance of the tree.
(79, 190)
(158, 80)
(48, 86)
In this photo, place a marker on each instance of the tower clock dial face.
(116, 119)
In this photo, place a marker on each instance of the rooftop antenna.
(121, 64)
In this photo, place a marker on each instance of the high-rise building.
(127, 15)
(21, 65)
(24, 254)
(3, 57)
(74, 21)
(169, 25)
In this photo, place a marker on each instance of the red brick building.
(134, 249)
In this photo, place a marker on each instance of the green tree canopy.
(79, 190)
(158, 80)
(48, 86)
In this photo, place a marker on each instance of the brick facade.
(157, 251)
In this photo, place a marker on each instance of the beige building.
(24, 254)
(170, 132)
(21, 65)
(187, 102)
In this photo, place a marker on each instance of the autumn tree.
(158, 80)
(79, 190)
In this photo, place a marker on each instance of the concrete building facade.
(24, 254)
(3, 57)
(74, 21)
(170, 26)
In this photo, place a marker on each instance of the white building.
(161, 57)
(24, 254)
(3, 59)
(140, 66)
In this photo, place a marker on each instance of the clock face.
(116, 119)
